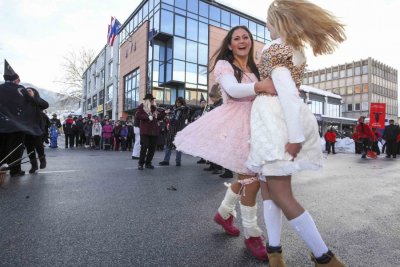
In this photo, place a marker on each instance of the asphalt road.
(94, 208)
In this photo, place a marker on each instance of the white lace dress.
(277, 120)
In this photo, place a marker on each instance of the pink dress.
(221, 135)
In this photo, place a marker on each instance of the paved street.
(94, 208)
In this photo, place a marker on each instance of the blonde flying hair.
(299, 22)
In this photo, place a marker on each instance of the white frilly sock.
(228, 204)
(273, 222)
(249, 221)
(304, 225)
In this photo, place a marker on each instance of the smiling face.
(240, 44)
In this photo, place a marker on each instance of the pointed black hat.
(9, 73)
(202, 98)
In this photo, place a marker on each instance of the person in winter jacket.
(34, 143)
(178, 120)
(107, 135)
(87, 129)
(96, 131)
(390, 135)
(68, 131)
(330, 139)
(148, 115)
(123, 136)
(365, 136)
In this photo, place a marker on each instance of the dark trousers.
(123, 143)
(148, 145)
(34, 143)
(8, 142)
(366, 145)
(107, 143)
(97, 141)
(129, 141)
(391, 148)
(69, 138)
(331, 146)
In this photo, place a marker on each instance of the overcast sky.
(36, 34)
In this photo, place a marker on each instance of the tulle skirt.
(220, 136)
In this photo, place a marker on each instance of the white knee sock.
(273, 222)
(228, 204)
(249, 221)
(304, 225)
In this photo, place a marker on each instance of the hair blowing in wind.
(301, 22)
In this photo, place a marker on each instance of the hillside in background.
(58, 103)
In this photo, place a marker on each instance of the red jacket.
(330, 136)
(364, 131)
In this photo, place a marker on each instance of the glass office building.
(178, 48)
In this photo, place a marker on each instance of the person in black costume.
(35, 142)
(390, 134)
(15, 120)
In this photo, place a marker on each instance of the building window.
(349, 107)
(179, 71)
(179, 48)
(109, 93)
(203, 54)
(202, 75)
(180, 25)
(244, 21)
(192, 29)
(349, 90)
(203, 9)
(193, 6)
(101, 97)
(333, 110)
(365, 88)
(357, 71)
(110, 70)
(225, 17)
(94, 100)
(365, 69)
(357, 89)
(191, 51)
(89, 104)
(316, 107)
(191, 73)
(215, 13)
(132, 83)
(234, 20)
(357, 106)
(180, 4)
(203, 32)
(350, 72)
(167, 22)
(335, 75)
(342, 73)
(329, 76)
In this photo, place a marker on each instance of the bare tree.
(75, 63)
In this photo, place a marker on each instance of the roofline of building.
(346, 63)
(211, 2)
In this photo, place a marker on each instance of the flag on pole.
(113, 29)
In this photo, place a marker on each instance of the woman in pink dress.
(222, 135)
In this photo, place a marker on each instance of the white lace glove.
(150, 118)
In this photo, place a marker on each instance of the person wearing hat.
(148, 116)
(390, 135)
(15, 121)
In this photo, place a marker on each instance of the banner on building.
(377, 115)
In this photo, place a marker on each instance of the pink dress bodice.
(224, 67)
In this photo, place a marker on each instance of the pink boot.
(227, 224)
(256, 247)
